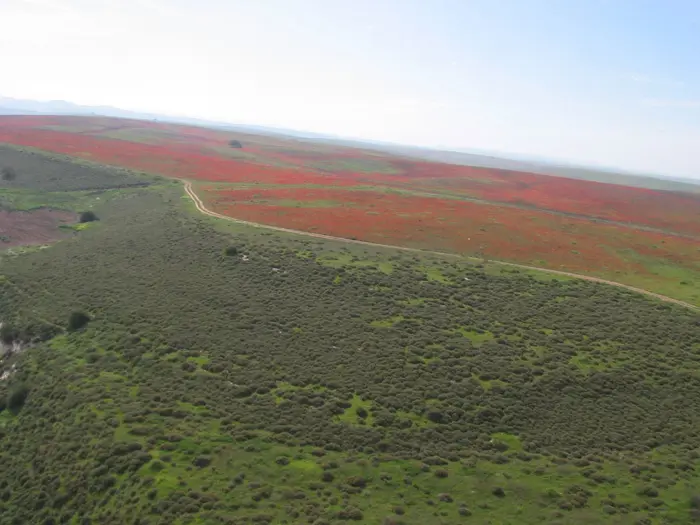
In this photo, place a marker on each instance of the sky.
(613, 83)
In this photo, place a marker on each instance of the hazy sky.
(607, 82)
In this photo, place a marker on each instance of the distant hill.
(13, 106)
(4, 110)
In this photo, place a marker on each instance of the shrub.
(231, 251)
(498, 492)
(235, 144)
(77, 320)
(9, 174)
(17, 398)
(650, 492)
(327, 476)
(282, 460)
(88, 216)
(356, 481)
(350, 513)
(441, 473)
(238, 478)
(435, 460)
(435, 416)
(202, 461)
(7, 334)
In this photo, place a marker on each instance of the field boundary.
(206, 211)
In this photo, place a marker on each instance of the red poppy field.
(641, 237)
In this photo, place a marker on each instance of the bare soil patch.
(32, 227)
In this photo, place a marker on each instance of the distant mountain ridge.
(13, 106)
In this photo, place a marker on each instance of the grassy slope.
(221, 391)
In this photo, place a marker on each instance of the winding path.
(206, 211)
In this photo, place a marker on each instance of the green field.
(230, 374)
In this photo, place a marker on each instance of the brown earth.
(40, 226)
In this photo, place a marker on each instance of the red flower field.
(528, 236)
(637, 235)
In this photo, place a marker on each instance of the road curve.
(206, 211)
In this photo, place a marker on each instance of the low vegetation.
(177, 369)
(164, 367)
(52, 172)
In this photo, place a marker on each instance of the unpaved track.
(206, 211)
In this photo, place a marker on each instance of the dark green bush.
(8, 174)
(8, 333)
(88, 216)
(498, 492)
(77, 320)
(17, 397)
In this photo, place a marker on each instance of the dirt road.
(203, 209)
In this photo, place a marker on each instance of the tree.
(9, 174)
(88, 216)
(77, 320)
(16, 399)
(235, 144)
(7, 334)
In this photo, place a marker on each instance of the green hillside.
(222, 374)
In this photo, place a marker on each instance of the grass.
(478, 338)
(434, 274)
(512, 441)
(350, 416)
(389, 322)
(346, 259)
(28, 200)
(588, 364)
(355, 166)
(199, 360)
(415, 301)
(130, 135)
(78, 227)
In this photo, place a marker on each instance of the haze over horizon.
(598, 82)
